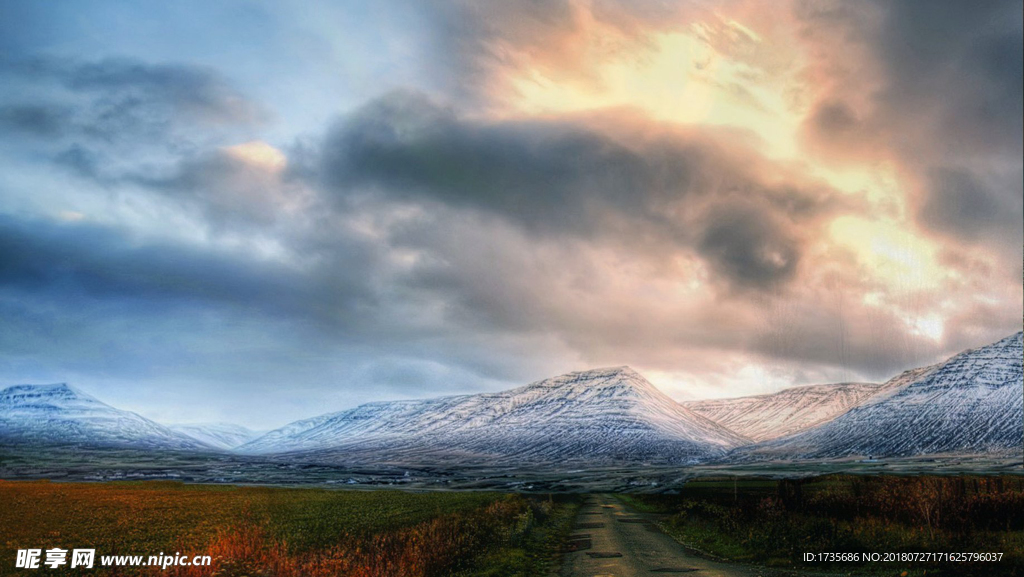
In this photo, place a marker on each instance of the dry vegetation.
(285, 532)
(775, 522)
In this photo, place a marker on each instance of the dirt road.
(612, 541)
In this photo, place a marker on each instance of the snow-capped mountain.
(224, 436)
(59, 414)
(606, 415)
(766, 417)
(971, 403)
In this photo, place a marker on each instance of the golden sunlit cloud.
(259, 154)
(717, 72)
(677, 77)
(895, 256)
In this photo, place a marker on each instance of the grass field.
(774, 522)
(284, 532)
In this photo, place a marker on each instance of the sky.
(259, 211)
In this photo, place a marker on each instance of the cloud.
(962, 204)
(160, 237)
(414, 227)
(623, 183)
(961, 65)
(938, 86)
(747, 245)
(87, 261)
(82, 299)
(42, 121)
(198, 93)
(476, 46)
(113, 105)
(474, 243)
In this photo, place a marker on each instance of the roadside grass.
(774, 522)
(281, 532)
(539, 550)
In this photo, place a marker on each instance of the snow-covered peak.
(30, 394)
(1013, 341)
(613, 413)
(49, 397)
(594, 385)
(764, 417)
(46, 389)
(61, 414)
(971, 403)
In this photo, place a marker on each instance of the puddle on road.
(578, 543)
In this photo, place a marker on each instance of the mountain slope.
(219, 435)
(971, 403)
(600, 415)
(59, 414)
(766, 417)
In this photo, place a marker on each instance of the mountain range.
(766, 417)
(59, 414)
(972, 403)
(600, 415)
(224, 436)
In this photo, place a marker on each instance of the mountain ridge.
(772, 415)
(547, 419)
(58, 413)
(972, 402)
(220, 435)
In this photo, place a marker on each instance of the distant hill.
(60, 414)
(603, 415)
(765, 417)
(971, 403)
(223, 436)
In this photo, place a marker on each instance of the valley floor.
(777, 522)
(85, 464)
(724, 527)
(285, 532)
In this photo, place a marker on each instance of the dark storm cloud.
(79, 284)
(948, 101)
(964, 65)
(544, 175)
(961, 203)
(565, 178)
(747, 245)
(78, 262)
(964, 62)
(114, 100)
(86, 297)
(194, 91)
(950, 72)
(37, 120)
(835, 119)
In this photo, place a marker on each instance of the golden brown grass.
(258, 530)
(435, 547)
